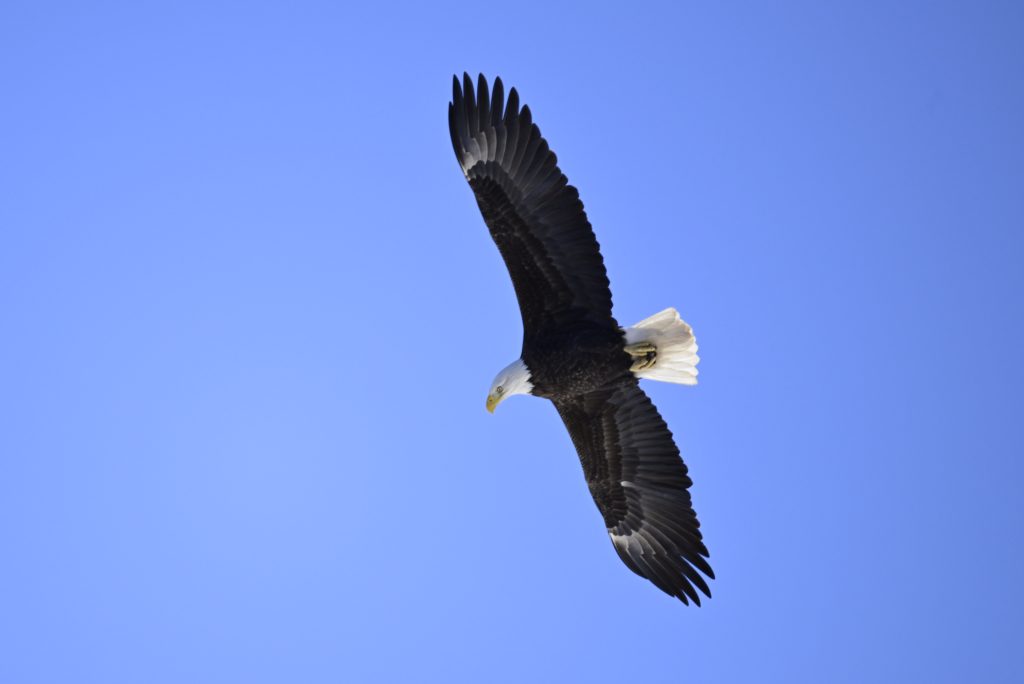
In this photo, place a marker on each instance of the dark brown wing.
(639, 484)
(534, 215)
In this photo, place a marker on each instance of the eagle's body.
(567, 363)
(574, 351)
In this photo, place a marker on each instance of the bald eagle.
(574, 352)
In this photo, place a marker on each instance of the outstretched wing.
(534, 215)
(639, 484)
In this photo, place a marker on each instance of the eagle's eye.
(499, 389)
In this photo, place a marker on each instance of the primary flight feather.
(574, 351)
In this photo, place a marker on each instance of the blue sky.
(251, 313)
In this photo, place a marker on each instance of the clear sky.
(250, 314)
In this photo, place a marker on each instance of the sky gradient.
(250, 314)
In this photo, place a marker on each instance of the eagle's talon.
(644, 355)
(642, 363)
(640, 349)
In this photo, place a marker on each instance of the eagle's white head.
(513, 379)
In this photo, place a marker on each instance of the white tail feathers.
(676, 359)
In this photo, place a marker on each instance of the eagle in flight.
(574, 351)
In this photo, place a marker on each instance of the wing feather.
(534, 215)
(640, 485)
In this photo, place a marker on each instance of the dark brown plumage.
(572, 344)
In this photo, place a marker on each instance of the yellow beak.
(492, 403)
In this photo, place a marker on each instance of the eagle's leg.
(644, 355)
